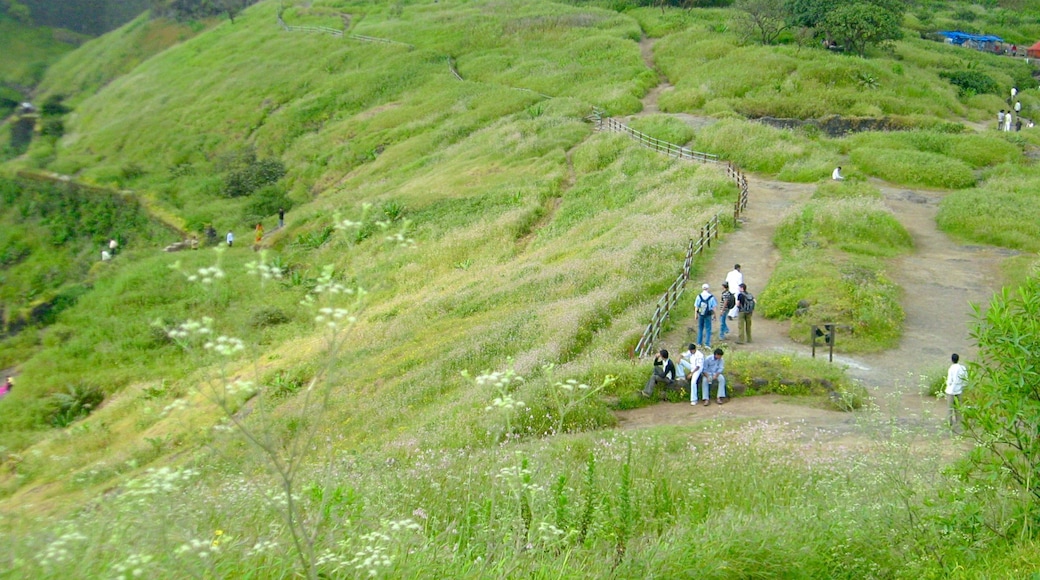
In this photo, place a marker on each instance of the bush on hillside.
(265, 202)
(75, 403)
(914, 168)
(256, 174)
(971, 82)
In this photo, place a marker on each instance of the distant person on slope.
(956, 376)
(6, 387)
(281, 217)
(230, 239)
(259, 233)
(836, 174)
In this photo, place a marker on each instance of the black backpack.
(749, 303)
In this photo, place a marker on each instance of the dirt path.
(939, 279)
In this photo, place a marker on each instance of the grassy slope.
(534, 243)
(27, 52)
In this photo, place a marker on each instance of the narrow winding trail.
(940, 279)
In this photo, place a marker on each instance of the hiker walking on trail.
(728, 301)
(259, 233)
(696, 361)
(1000, 120)
(705, 305)
(281, 217)
(6, 387)
(230, 239)
(745, 307)
(956, 376)
(713, 369)
(664, 372)
(735, 277)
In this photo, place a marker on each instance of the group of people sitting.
(692, 371)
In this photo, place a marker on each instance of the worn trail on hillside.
(940, 279)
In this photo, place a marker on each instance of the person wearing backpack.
(705, 305)
(728, 301)
(745, 307)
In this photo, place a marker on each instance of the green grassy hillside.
(339, 397)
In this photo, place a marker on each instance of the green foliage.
(858, 25)
(265, 203)
(251, 176)
(1003, 397)
(971, 82)
(76, 402)
(268, 317)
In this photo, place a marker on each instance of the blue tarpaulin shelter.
(981, 41)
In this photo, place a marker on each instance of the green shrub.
(265, 202)
(971, 82)
(245, 181)
(75, 403)
(268, 317)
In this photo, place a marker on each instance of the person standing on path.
(1007, 121)
(259, 233)
(745, 306)
(713, 369)
(728, 301)
(735, 277)
(6, 388)
(956, 376)
(705, 305)
(230, 239)
(1000, 120)
(664, 372)
(696, 359)
(281, 217)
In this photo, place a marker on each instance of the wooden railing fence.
(609, 124)
(709, 232)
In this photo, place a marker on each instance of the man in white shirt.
(695, 362)
(836, 174)
(735, 278)
(955, 379)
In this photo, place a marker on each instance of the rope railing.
(709, 232)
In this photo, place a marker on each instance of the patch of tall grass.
(1002, 212)
(851, 291)
(856, 225)
(914, 167)
(663, 127)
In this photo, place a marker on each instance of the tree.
(808, 13)
(765, 19)
(859, 25)
(1002, 413)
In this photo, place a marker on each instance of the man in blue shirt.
(713, 369)
(705, 305)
